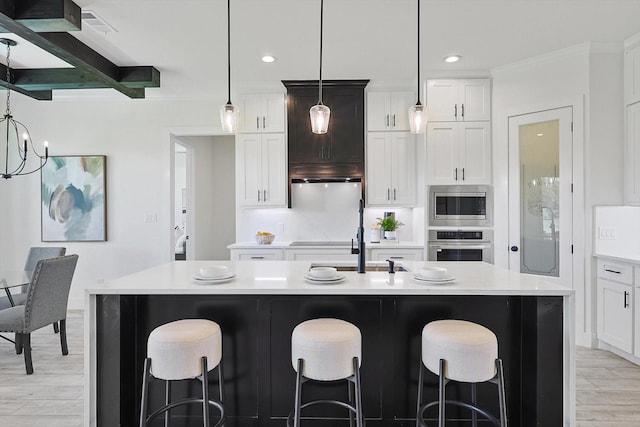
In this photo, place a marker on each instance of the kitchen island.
(258, 309)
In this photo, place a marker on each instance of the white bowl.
(433, 272)
(214, 271)
(323, 272)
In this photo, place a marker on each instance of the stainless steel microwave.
(460, 205)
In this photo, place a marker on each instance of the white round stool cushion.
(470, 350)
(327, 347)
(176, 348)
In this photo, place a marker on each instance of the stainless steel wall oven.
(460, 245)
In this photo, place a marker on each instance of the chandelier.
(229, 113)
(320, 113)
(13, 130)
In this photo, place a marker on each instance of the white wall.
(589, 78)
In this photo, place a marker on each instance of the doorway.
(208, 194)
(540, 194)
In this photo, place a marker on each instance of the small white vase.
(374, 235)
(390, 235)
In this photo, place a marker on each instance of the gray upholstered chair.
(46, 303)
(35, 254)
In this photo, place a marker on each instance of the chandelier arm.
(26, 130)
(33, 171)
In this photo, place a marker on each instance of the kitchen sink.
(346, 243)
(370, 266)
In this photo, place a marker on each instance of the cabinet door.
(399, 111)
(615, 314)
(402, 150)
(256, 254)
(474, 166)
(274, 170)
(249, 169)
(442, 152)
(323, 255)
(632, 75)
(442, 100)
(378, 170)
(344, 141)
(273, 113)
(474, 99)
(397, 254)
(250, 113)
(632, 157)
(378, 111)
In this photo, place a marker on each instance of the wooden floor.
(608, 387)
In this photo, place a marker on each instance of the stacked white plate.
(213, 275)
(433, 275)
(323, 276)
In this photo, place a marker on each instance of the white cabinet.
(632, 75)
(459, 153)
(338, 254)
(261, 170)
(391, 169)
(262, 113)
(256, 254)
(632, 156)
(466, 100)
(396, 254)
(389, 110)
(615, 299)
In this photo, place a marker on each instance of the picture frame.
(73, 199)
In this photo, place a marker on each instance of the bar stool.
(457, 350)
(180, 350)
(327, 350)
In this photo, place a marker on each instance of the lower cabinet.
(256, 254)
(342, 254)
(382, 254)
(615, 304)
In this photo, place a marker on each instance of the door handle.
(258, 195)
(387, 121)
(257, 122)
(514, 248)
(611, 271)
(257, 257)
(264, 195)
(626, 299)
(264, 122)
(388, 194)
(455, 110)
(394, 120)
(462, 105)
(394, 194)
(456, 170)
(463, 174)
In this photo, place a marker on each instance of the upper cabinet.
(261, 170)
(390, 169)
(389, 110)
(632, 155)
(632, 74)
(262, 113)
(458, 100)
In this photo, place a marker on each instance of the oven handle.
(461, 246)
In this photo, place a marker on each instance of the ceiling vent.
(95, 22)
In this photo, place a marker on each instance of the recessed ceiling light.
(268, 59)
(539, 134)
(452, 58)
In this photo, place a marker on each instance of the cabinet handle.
(456, 174)
(463, 174)
(394, 194)
(264, 195)
(257, 122)
(462, 111)
(612, 271)
(264, 122)
(396, 257)
(258, 195)
(455, 110)
(388, 196)
(394, 120)
(387, 121)
(626, 299)
(257, 257)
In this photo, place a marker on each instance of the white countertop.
(398, 244)
(626, 257)
(287, 278)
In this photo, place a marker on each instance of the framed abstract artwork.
(73, 199)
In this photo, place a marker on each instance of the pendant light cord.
(418, 53)
(320, 82)
(229, 52)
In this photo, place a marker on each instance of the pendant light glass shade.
(417, 118)
(229, 113)
(319, 118)
(320, 113)
(229, 116)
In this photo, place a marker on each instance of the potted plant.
(389, 225)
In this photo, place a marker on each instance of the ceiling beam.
(71, 50)
(72, 78)
(44, 15)
(40, 95)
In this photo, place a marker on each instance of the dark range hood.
(338, 155)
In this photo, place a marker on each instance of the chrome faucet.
(360, 250)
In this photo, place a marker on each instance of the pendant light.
(417, 113)
(320, 113)
(229, 113)
(14, 142)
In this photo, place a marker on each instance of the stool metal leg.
(359, 414)
(441, 396)
(205, 392)
(352, 402)
(167, 401)
(501, 393)
(474, 402)
(145, 392)
(419, 422)
(296, 409)
(221, 384)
